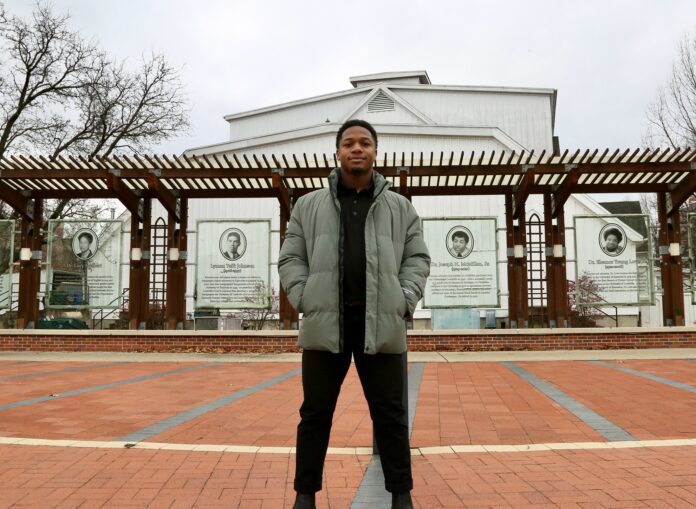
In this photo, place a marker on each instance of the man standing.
(355, 264)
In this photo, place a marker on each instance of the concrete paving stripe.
(187, 415)
(362, 451)
(111, 385)
(58, 371)
(600, 424)
(415, 377)
(371, 492)
(649, 376)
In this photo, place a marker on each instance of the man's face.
(232, 244)
(612, 243)
(84, 243)
(356, 151)
(458, 245)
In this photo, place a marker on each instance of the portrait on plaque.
(612, 239)
(232, 244)
(85, 244)
(460, 242)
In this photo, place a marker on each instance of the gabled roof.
(551, 92)
(422, 76)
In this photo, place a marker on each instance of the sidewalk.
(501, 429)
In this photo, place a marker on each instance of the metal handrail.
(101, 316)
(600, 300)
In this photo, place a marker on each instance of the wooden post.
(134, 293)
(144, 310)
(516, 238)
(521, 270)
(510, 245)
(183, 257)
(676, 271)
(176, 284)
(670, 266)
(561, 274)
(551, 286)
(30, 270)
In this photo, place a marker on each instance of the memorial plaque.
(463, 269)
(6, 259)
(84, 264)
(232, 264)
(613, 265)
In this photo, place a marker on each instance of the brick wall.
(428, 341)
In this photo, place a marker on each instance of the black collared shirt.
(354, 208)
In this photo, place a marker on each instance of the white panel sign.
(232, 264)
(463, 270)
(612, 261)
(84, 264)
(6, 252)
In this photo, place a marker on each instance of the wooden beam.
(522, 192)
(166, 197)
(682, 193)
(281, 192)
(23, 205)
(561, 195)
(129, 199)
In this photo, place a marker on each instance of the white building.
(411, 116)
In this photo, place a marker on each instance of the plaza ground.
(521, 429)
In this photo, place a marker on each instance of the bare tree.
(60, 94)
(672, 115)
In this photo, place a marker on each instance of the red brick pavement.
(589, 479)
(645, 408)
(28, 388)
(111, 413)
(47, 477)
(677, 370)
(481, 403)
(270, 418)
(486, 403)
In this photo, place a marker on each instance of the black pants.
(382, 381)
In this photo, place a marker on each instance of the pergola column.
(30, 268)
(139, 286)
(669, 238)
(177, 244)
(516, 241)
(289, 318)
(561, 273)
(556, 279)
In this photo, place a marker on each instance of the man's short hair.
(355, 123)
(87, 235)
(615, 232)
(460, 234)
(234, 234)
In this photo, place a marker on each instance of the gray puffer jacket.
(397, 266)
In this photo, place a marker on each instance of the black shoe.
(402, 500)
(306, 501)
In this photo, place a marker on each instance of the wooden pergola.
(26, 181)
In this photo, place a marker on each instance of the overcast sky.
(606, 58)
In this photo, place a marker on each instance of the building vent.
(380, 102)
